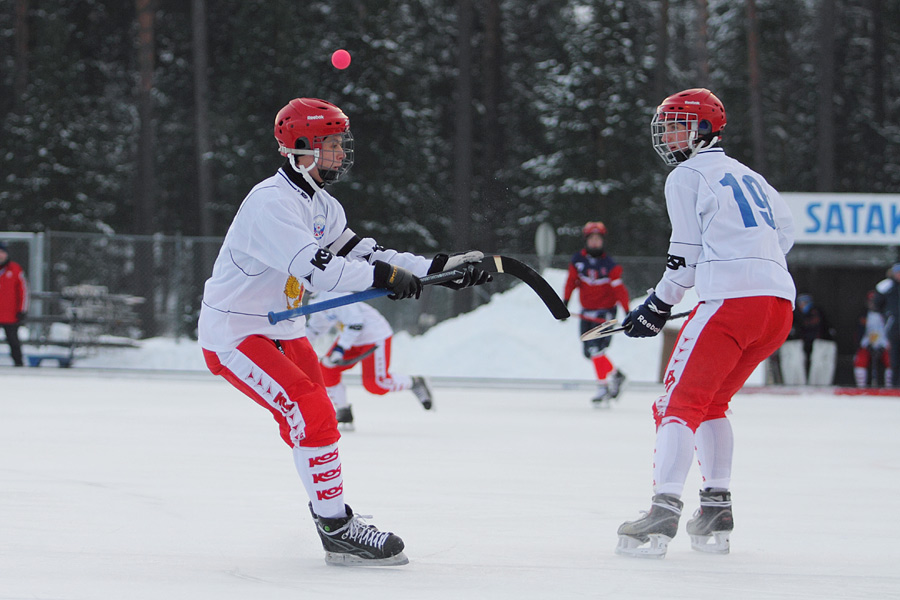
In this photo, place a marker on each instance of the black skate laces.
(361, 532)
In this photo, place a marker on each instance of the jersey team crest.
(319, 226)
(293, 292)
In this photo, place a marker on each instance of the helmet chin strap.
(702, 146)
(305, 171)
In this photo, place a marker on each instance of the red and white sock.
(672, 457)
(715, 448)
(320, 471)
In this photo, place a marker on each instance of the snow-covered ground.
(158, 483)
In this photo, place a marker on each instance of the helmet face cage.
(674, 144)
(702, 115)
(327, 149)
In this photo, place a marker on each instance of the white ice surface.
(133, 485)
(127, 486)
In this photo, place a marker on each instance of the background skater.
(598, 279)
(364, 336)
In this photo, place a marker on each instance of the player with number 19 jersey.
(730, 232)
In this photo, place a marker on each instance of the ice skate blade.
(656, 547)
(721, 543)
(341, 559)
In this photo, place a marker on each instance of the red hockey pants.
(287, 382)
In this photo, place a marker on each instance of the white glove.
(463, 261)
(333, 358)
(456, 260)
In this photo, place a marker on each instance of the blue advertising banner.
(862, 219)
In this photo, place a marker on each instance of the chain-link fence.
(168, 273)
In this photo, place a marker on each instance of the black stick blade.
(531, 278)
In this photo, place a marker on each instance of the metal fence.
(168, 272)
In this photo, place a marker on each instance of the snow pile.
(514, 336)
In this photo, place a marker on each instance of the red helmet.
(303, 125)
(702, 116)
(593, 227)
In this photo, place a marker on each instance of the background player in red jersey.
(731, 231)
(598, 280)
(13, 302)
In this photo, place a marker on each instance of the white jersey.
(281, 241)
(875, 335)
(731, 231)
(358, 324)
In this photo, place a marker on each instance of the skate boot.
(656, 528)
(350, 541)
(712, 520)
(420, 389)
(602, 398)
(615, 386)
(345, 418)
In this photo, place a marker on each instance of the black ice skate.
(350, 541)
(615, 385)
(420, 389)
(345, 418)
(655, 529)
(713, 520)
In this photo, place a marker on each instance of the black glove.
(400, 281)
(463, 261)
(20, 316)
(647, 319)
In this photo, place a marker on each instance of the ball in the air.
(340, 59)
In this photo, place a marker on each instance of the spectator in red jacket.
(13, 302)
(598, 279)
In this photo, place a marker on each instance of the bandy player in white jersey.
(290, 234)
(730, 233)
(363, 336)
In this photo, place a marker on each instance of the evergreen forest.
(474, 121)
